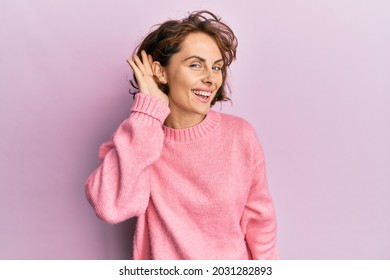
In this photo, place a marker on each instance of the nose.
(208, 77)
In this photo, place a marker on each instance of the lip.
(203, 100)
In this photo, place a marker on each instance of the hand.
(145, 78)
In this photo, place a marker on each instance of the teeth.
(202, 93)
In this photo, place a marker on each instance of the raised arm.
(119, 189)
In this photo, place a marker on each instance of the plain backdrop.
(313, 77)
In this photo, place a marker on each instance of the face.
(194, 75)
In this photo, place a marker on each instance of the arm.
(118, 189)
(258, 220)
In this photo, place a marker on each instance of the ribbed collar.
(195, 132)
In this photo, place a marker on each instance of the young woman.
(195, 178)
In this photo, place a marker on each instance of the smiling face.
(194, 75)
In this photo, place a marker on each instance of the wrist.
(148, 104)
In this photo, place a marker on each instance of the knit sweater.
(199, 192)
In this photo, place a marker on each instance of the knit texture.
(198, 193)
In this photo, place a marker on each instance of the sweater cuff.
(146, 106)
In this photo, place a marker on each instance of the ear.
(159, 72)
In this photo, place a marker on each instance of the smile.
(202, 93)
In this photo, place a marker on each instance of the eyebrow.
(201, 58)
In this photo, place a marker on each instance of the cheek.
(220, 81)
(182, 79)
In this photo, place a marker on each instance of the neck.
(179, 121)
(194, 132)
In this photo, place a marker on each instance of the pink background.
(313, 77)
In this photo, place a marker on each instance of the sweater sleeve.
(259, 220)
(118, 189)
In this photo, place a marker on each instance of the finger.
(139, 64)
(150, 58)
(145, 60)
(136, 70)
(132, 65)
(139, 76)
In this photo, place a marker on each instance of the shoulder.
(237, 124)
(241, 132)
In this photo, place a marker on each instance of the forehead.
(200, 44)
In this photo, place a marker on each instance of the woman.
(195, 178)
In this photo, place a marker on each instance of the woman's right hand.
(145, 78)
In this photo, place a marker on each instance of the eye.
(195, 65)
(217, 68)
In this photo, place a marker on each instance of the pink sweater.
(199, 192)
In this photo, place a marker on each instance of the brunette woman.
(194, 177)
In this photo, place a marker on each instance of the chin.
(204, 110)
(204, 113)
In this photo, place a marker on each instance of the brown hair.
(164, 41)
